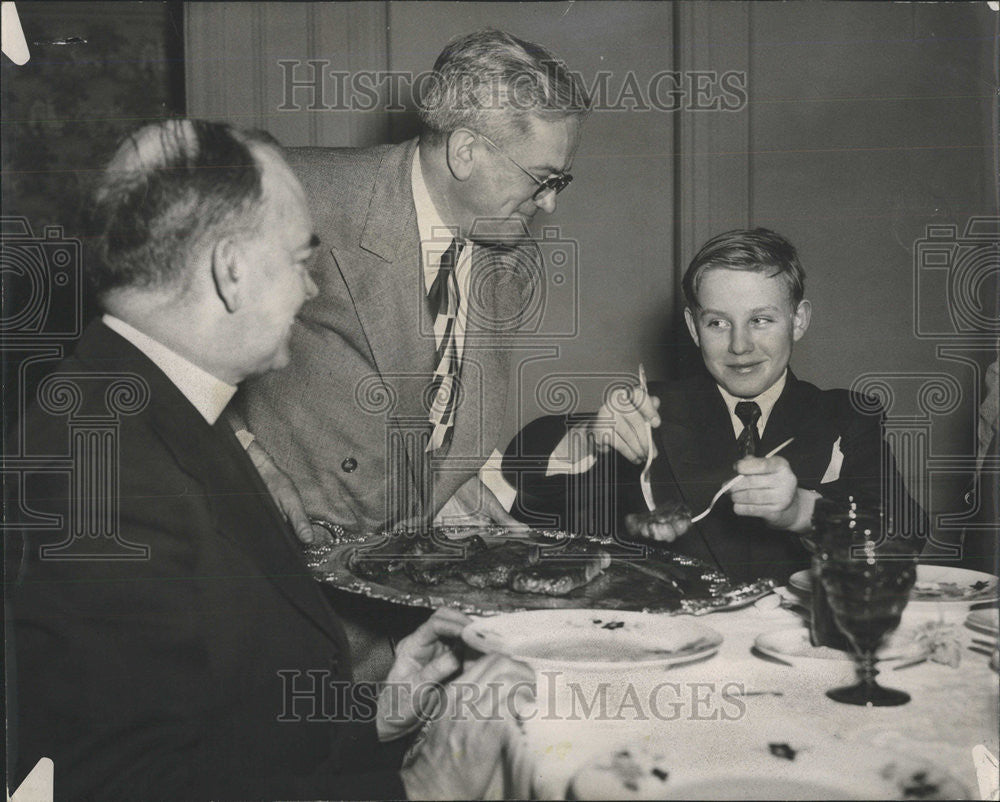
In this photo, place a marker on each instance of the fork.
(728, 485)
(647, 490)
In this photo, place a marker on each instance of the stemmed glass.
(867, 585)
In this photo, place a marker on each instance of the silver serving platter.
(647, 578)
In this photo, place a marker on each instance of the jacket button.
(970, 498)
(349, 465)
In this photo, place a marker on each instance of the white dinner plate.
(792, 646)
(753, 765)
(599, 640)
(987, 621)
(935, 585)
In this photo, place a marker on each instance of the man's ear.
(227, 273)
(800, 320)
(460, 153)
(692, 325)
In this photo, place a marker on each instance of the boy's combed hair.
(757, 250)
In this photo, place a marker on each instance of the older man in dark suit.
(165, 639)
(745, 310)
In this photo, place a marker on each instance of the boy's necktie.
(749, 440)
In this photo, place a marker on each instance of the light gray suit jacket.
(348, 419)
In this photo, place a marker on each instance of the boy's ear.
(227, 273)
(460, 153)
(692, 325)
(800, 320)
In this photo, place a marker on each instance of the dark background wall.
(870, 122)
(96, 72)
(864, 123)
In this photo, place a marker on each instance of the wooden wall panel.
(714, 146)
(233, 71)
(222, 55)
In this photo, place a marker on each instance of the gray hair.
(482, 73)
(167, 188)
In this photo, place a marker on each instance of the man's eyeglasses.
(556, 182)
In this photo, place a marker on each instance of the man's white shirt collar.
(765, 401)
(208, 394)
(435, 237)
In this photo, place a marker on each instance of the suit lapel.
(795, 416)
(248, 520)
(696, 442)
(272, 541)
(784, 419)
(383, 276)
(697, 451)
(385, 280)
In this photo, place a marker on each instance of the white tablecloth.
(692, 717)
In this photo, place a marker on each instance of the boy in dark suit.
(745, 309)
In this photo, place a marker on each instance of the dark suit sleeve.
(869, 467)
(88, 705)
(357, 746)
(589, 502)
(540, 500)
(122, 679)
(861, 445)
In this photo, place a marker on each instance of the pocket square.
(832, 473)
(558, 466)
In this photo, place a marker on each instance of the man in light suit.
(400, 366)
(164, 638)
(745, 310)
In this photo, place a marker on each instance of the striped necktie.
(749, 440)
(444, 300)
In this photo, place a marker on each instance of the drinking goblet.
(867, 587)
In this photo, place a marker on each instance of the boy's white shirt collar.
(207, 393)
(766, 401)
